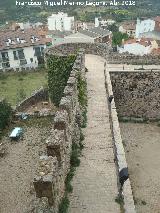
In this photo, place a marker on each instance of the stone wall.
(137, 94)
(129, 206)
(117, 58)
(53, 167)
(38, 95)
(72, 48)
(105, 51)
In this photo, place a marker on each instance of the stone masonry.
(94, 189)
(137, 94)
(126, 58)
(54, 166)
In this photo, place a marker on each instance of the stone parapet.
(129, 206)
(126, 58)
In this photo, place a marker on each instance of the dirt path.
(17, 170)
(95, 181)
(142, 146)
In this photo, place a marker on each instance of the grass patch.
(63, 207)
(69, 177)
(20, 79)
(82, 91)
(84, 115)
(37, 122)
(76, 148)
(10, 83)
(119, 199)
(74, 160)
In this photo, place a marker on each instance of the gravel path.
(142, 146)
(95, 181)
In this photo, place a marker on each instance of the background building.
(93, 35)
(144, 26)
(61, 22)
(22, 49)
(138, 46)
(99, 22)
(129, 28)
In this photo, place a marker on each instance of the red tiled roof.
(157, 19)
(24, 36)
(156, 51)
(129, 25)
(145, 42)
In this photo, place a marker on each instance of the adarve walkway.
(95, 181)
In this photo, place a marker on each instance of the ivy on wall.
(59, 68)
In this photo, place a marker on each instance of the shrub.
(5, 114)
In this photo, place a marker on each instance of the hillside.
(145, 8)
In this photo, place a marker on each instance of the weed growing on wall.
(74, 162)
(82, 98)
(59, 68)
(82, 90)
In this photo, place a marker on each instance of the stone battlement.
(53, 168)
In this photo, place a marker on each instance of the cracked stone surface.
(95, 180)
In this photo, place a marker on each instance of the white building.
(99, 22)
(138, 46)
(144, 26)
(149, 28)
(128, 27)
(93, 35)
(27, 25)
(61, 22)
(22, 49)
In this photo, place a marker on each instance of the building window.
(6, 64)
(15, 55)
(5, 57)
(38, 51)
(19, 54)
(23, 62)
(31, 59)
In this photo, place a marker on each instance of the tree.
(113, 28)
(118, 37)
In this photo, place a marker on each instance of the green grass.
(68, 180)
(12, 83)
(63, 207)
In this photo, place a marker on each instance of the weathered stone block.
(46, 178)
